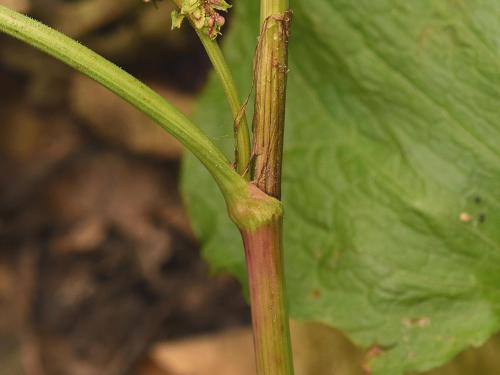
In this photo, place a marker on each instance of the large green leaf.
(391, 172)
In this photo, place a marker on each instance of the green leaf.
(391, 172)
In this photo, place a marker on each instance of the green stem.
(263, 251)
(271, 7)
(263, 244)
(271, 69)
(133, 91)
(241, 130)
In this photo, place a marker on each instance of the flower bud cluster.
(204, 14)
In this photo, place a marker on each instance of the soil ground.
(97, 258)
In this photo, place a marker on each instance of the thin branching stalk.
(241, 129)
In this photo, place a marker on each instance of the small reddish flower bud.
(220, 20)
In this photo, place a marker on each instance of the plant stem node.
(253, 208)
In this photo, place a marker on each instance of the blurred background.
(98, 262)
(100, 273)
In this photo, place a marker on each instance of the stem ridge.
(270, 77)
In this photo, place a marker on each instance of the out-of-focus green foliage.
(391, 172)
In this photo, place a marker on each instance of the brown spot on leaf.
(316, 293)
(372, 353)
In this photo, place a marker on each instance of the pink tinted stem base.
(263, 251)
